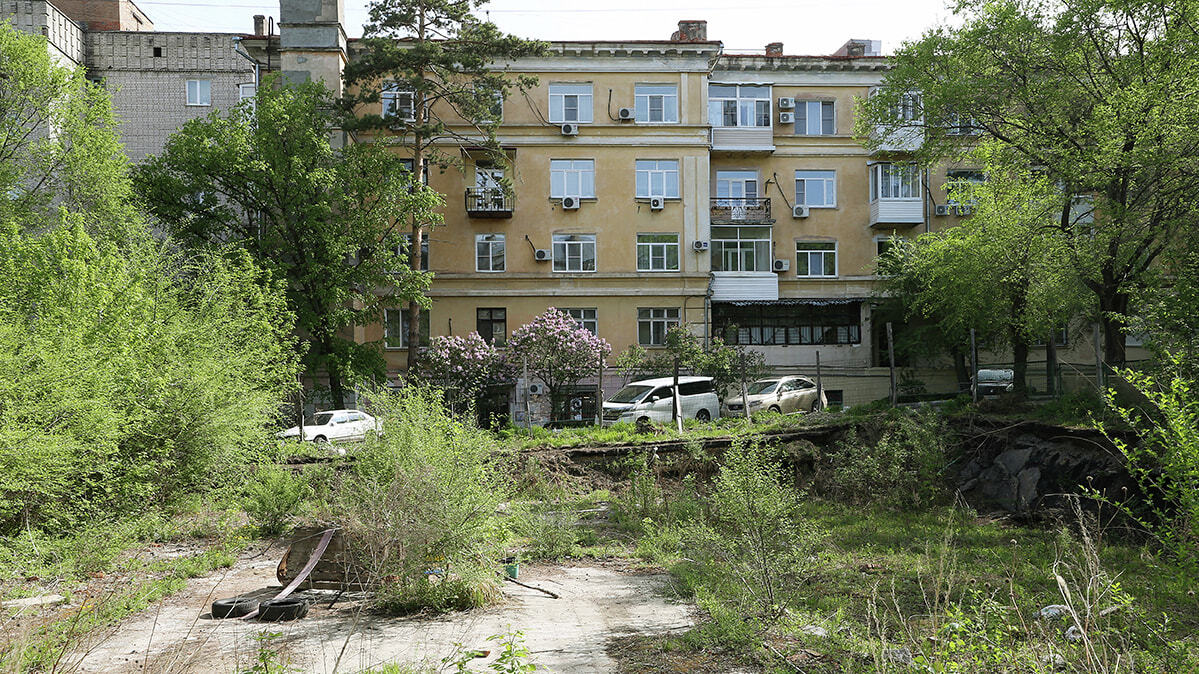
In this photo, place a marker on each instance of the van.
(653, 400)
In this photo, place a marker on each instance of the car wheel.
(234, 607)
(275, 610)
(776, 409)
(815, 405)
(643, 420)
(320, 440)
(703, 415)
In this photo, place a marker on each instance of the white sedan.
(334, 425)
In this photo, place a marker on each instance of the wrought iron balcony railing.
(741, 209)
(488, 202)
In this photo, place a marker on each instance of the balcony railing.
(488, 202)
(741, 209)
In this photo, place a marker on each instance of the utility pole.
(744, 389)
(528, 404)
(891, 362)
(973, 367)
(599, 391)
(676, 412)
(819, 384)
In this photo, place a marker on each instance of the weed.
(273, 495)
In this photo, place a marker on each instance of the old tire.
(320, 440)
(703, 415)
(275, 610)
(776, 409)
(815, 405)
(234, 607)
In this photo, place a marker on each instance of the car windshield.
(995, 375)
(629, 394)
(321, 419)
(762, 387)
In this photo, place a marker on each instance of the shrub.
(273, 495)
(903, 468)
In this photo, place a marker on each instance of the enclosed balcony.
(739, 210)
(488, 202)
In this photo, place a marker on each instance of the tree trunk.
(1020, 366)
(418, 229)
(1113, 306)
(960, 368)
(1051, 365)
(337, 393)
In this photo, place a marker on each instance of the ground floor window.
(652, 325)
(786, 324)
(395, 328)
(492, 325)
(587, 319)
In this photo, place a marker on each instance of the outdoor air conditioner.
(799, 211)
(570, 129)
(786, 103)
(941, 209)
(657, 203)
(786, 118)
(699, 246)
(625, 114)
(570, 203)
(782, 265)
(543, 255)
(536, 389)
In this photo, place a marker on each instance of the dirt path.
(599, 602)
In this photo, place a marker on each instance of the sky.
(803, 26)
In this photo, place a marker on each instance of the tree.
(1099, 94)
(464, 366)
(445, 58)
(1168, 318)
(558, 351)
(325, 221)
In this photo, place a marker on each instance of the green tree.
(726, 364)
(448, 61)
(325, 220)
(1099, 94)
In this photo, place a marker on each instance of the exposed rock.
(814, 631)
(1053, 611)
(1053, 660)
(1074, 634)
(35, 602)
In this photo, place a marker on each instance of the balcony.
(741, 210)
(896, 213)
(743, 139)
(731, 286)
(488, 203)
(902, 140)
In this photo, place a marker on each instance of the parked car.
(652, 400)
(334, 425)
(994, 382)
(783, 395)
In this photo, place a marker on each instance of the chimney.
(259, 24)
(774, 49)
(858, 48)
(691, 31)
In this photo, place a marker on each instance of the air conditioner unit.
(699, 246)
(786, 118)
(782, 265)
(543, 254)
(536, 389)
(570, 203)
(570, 129)
(657, 203)
(625, 114)
(786, 103)
(799, 211)
(941, 209)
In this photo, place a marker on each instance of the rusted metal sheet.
(331, 571)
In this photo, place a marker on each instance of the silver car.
(783, 395)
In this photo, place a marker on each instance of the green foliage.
(726, 364)
(323, 221)
(273, 495)
(422, 498)
(903, 468)
(1168, 317)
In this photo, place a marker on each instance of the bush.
(903, 468)
(273, 495)
(419, 509)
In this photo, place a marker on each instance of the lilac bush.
(558, 350)
(464, 366)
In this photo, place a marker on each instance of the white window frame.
(656, 178)
(571, 102)
(742, 249)
(588, 318)
(492, 242)
(201, 97)
(666, 96)
(811, 253)
(824, 126)
(570, 253)
(748, 107)
(242, 90)
(816, 182)
(962, 175)
(660, 318)
(883, 238)
(572, 178)
(390, 98)
(658, 250)
(895, 182)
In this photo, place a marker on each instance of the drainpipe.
(927, 197)
(241, 51)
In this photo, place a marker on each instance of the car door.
(340, 428)
(358, 425)
(661, 409)
(804, 395)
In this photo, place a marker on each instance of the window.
(199, 92)
(398, 104)
(245, 91)
(656, 103)
(883, 245)
(815, 259)
(159, 52)
(736, 188)
(492, 325)
(894, 181)
(652, 325)
(908, 107)
(586, 318)
(409, 164)
(960, 184)
(494, 100)
(570, 103)
(406, 247)
(395, 328)
(740, 249)
(738, 105)
(489, 252)
(574, 252)
(815, 118)
(780, 324)
(657, 252)
(657, 178)
(816, 189)
(572, 178)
